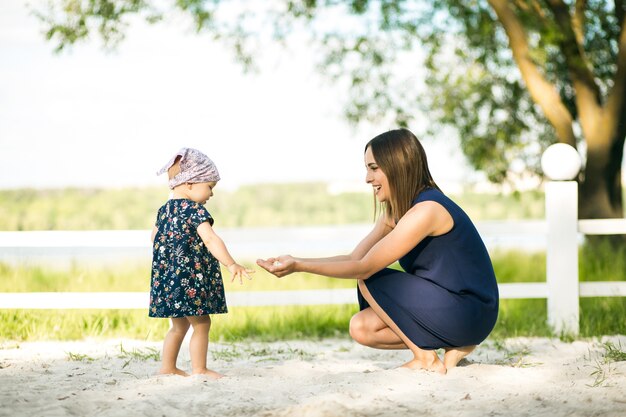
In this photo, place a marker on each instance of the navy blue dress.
(186, 278)
(448, 296)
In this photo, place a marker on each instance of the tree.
(511, 76)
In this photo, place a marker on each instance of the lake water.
(62, 248)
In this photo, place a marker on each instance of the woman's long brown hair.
(400, 155)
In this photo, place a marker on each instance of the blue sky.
(88, 117)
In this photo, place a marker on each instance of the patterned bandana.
(194, 167)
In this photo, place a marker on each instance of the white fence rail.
(61, 248)
(139, 300)
(561, 233)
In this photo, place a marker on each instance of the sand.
(512, 377)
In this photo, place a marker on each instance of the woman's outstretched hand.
(281, 266)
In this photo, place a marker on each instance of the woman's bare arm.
(424, 219)
(381, 228)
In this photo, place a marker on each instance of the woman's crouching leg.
(453, 356)
(367, 329)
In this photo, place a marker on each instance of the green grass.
(282, 323)
(527, 317)
(519, 266)
(604, 366)
(136, 277)
(603, 261)
(79, 357)
(258, 323)
(262, 205)
(613, 353)
(521, 318)
(125, 277)
(262, 323)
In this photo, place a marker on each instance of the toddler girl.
(186, 284)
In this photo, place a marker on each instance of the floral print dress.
(186, 277)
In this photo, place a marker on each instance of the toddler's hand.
(237, 270)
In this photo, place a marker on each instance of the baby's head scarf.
(194, 167)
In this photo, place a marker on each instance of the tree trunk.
(601, 188)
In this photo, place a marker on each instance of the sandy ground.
(513, 377)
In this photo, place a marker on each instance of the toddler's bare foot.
(172, 371)
(208, 372)
(434, 365)
(454, 355)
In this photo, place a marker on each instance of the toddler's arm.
(217, 247)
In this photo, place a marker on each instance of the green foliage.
(70, 21)
(303, 204)
(289, 204)
(516, 205)
(135, 208)
(79, 209)
(472, 84)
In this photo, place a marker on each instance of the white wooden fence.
(562, 283)
(562, 288)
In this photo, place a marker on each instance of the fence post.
(560, 163)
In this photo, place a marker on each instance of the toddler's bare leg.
(199, 346)
(171, 346)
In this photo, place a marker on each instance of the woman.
(448, 296)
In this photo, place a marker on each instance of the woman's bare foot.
(454, 355)
(174, 371)
(433, 364)
(208, 372)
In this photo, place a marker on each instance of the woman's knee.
(359, 330)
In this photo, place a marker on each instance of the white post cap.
(560, 162)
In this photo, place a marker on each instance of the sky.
(90, 117)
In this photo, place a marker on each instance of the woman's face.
(376, 177)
